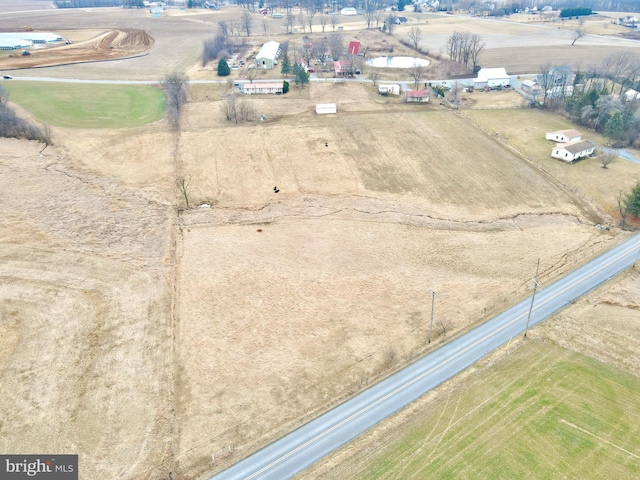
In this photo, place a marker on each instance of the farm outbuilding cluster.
(570, 145)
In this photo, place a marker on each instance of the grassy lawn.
(524, 129)
(78, 105)
(541, 412)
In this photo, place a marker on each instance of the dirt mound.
(109, 45)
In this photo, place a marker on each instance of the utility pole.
(636, 260)
(433, 299)
(535, 288)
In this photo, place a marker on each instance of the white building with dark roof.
(564, 136)
(570, 152)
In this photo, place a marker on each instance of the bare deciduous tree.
(289, 22)
(175, 86)
(579, 31)
(223, 28)
(247, 22)
(237, 111)
(251, 74)
(334, 22)
(374, 75)
(415, 35)
(416, 72)
(184, 189)
(606, 159)
(335, 45)
(444, 326)
(323, 21)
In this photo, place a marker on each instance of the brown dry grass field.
(146, 337)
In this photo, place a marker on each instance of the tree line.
(596, 98)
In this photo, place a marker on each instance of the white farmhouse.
(564, 136)
(492, 77)
(570, 152)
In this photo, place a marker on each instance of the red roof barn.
(354, 47)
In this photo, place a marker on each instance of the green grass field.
(542, 412)
(78, 105)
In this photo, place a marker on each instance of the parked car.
(234, 67)
(7, 77)
(310, 70)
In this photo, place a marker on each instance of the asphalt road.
(309, 443)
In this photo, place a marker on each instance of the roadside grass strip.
(77, 105)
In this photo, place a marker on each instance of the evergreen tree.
(302, 76)
(633, 201)
(614, 128)
(286, 65)
(223, 68)
(285, 86)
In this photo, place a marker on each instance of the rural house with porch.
(570, 152)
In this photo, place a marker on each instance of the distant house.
(266, 58)
(348, 11)
(631, 95)
(570, 152)
(325, 108)
(416, 96)
(260, 87)
(492, 77)
(156, 11)
(354, 48)
(343, 68)
(389, 89)
(400, 20)
(564, 136)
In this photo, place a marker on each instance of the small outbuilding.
(325, 108)
(492, 78)
(389, 89)
(262, 87)
(267, 56)
(564, 136)
(348, 11)
(416, 96)
(570, 152)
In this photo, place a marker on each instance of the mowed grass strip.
(541, 412)
(79, 105)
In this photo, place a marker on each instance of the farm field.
(88, 105)
(131, 324)
(540, 411)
